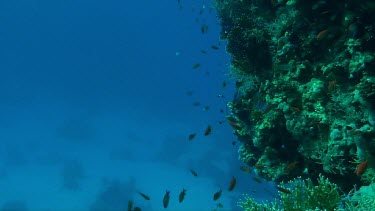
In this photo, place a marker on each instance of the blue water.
(96, 103)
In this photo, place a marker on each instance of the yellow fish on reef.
(245, 169)
(166, 199)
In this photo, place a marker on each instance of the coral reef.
(303, 195)
(305, 79)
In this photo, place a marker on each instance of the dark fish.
(166, 199)
(137, 209)
(257, 180)
(234, 143)
(196, 103)
(203, 51)
(189, 93)
(232, 184)
(196, 65)
(205, 108)
(144, 196)
(181, 197)
(217, 195)
(192, 136)
(219, 205)
(204, 28)
(215, 47)
(224, 84)
(245, 169)
(194, 173)
(208, 130)
(201, 11)
(130, 205)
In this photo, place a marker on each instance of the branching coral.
(301, 195)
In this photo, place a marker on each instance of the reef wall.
(305, 80)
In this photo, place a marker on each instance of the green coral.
(303, 196)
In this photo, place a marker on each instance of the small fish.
(208, 130)
(217, 195)
(283, 190)
(257, 180)
(137, 209)
(181, 197)
(224, 84)
(203, 51)
(189, 93)
(130, 205)
(291, 165)
(204, 28)
(196, 103)
(144, 196)
(166, 199)
(232, 184)
(322, 34)
(219, 205)
(201, 11)
(214, 47)
(194, 173)
(206, 108)
(192, 136)
(196, 65)
(362, 168)
(231, 120)
(245, 169)
(234, 143)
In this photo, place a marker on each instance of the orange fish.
(208, 130)
(362, 168)
(233, 123)
(291, 165)
(245, 169)
(321, 35)
(283, 190)
(232, 184)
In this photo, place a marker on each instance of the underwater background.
(98, 100)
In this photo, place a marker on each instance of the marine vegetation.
(302, 195)
(305, 82)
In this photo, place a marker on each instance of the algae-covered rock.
(305, 78)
